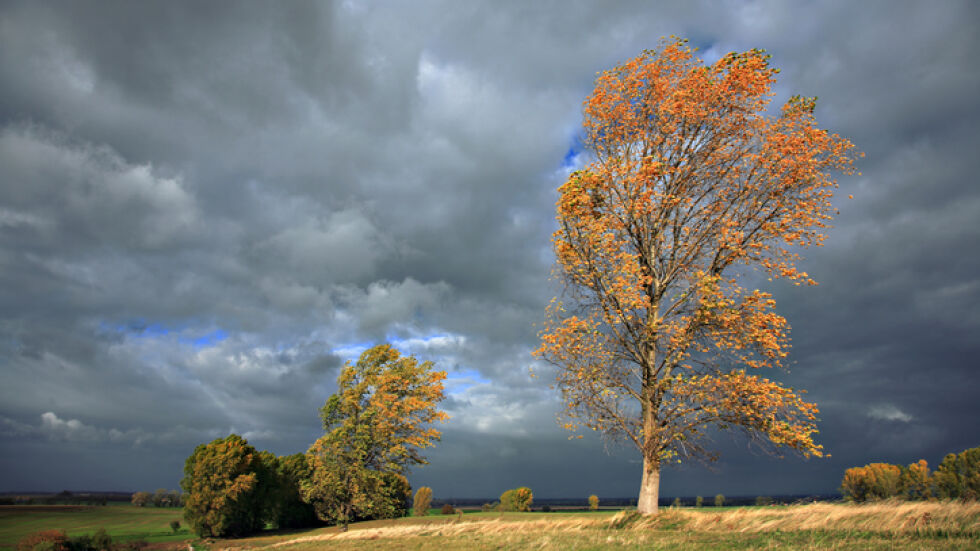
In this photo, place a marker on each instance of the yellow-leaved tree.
(691, 181)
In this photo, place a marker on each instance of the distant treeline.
(686, 501)
(957, 477)
(64, 497)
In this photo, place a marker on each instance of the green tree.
(224, 487)
(699, 502)
(958, 476)
(423, 501)
(719, 500)
(377, 423)
(915, 481)
(593, 502)
(285, 507)
(677, 502)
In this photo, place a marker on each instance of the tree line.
(375, 426)
(957, 477)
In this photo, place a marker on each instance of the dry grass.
(890, 525)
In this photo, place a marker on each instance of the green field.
(879, 526)
(122, 522)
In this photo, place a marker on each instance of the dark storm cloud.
(204, 212)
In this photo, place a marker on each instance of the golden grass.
(885, 525)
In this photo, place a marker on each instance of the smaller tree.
(225, 492)
(506, 501)
(958, 476)
(423, 501)
(915, 481)
(763, 501)
(140, 499)
(523, 499)
(175, 525)
(719, 500)
(447, 509)
(699, 502)
(593, 502)
(676, 503)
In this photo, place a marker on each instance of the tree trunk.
(648, 502)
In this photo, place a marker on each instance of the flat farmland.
(122, 522)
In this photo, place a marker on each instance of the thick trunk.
(649, 488)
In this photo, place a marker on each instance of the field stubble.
(888, 525)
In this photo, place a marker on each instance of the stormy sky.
(206, 208)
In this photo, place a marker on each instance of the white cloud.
(888, 412)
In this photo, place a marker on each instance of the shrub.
(487, 507)
(545, 509)
(101, 540)
(55, 540)
(422, 501)
(447, 509)
(593, 502)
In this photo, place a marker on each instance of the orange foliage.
(691, 182)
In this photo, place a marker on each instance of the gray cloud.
(204, 213)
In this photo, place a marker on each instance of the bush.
(55, 540)
(101, 540)
(763, 501)
(447, 509)
(545, 509)
(593, 502)
(487, 507)
(422, 501)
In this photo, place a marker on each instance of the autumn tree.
(871, 482)
(140, 499)
(377, 423)
(915, 480)
(423, 501)
(593, 502)
(226, 485)
(691, 186)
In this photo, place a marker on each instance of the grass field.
(122, 522)
(884, 526)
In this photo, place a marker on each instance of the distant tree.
(593, 502)
(676, 503)
(763, 501)
(915, 481)
(545, 508)
(225, 488)
(376, 423)
(174, 525)
(161, 498)
(719, 500)
(487, 507)
(693, 183)
(699, 502)
(958, 476)
(523, 499)
(140, 499)
(871, 482)
(447, 509)
(175, 499)
(423, 501)
(506, 501)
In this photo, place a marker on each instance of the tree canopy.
(692, 185)
(377, 423)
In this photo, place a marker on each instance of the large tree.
(377, 423)
(692, 186)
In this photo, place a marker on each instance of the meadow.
(884, 525)
(122, 522)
